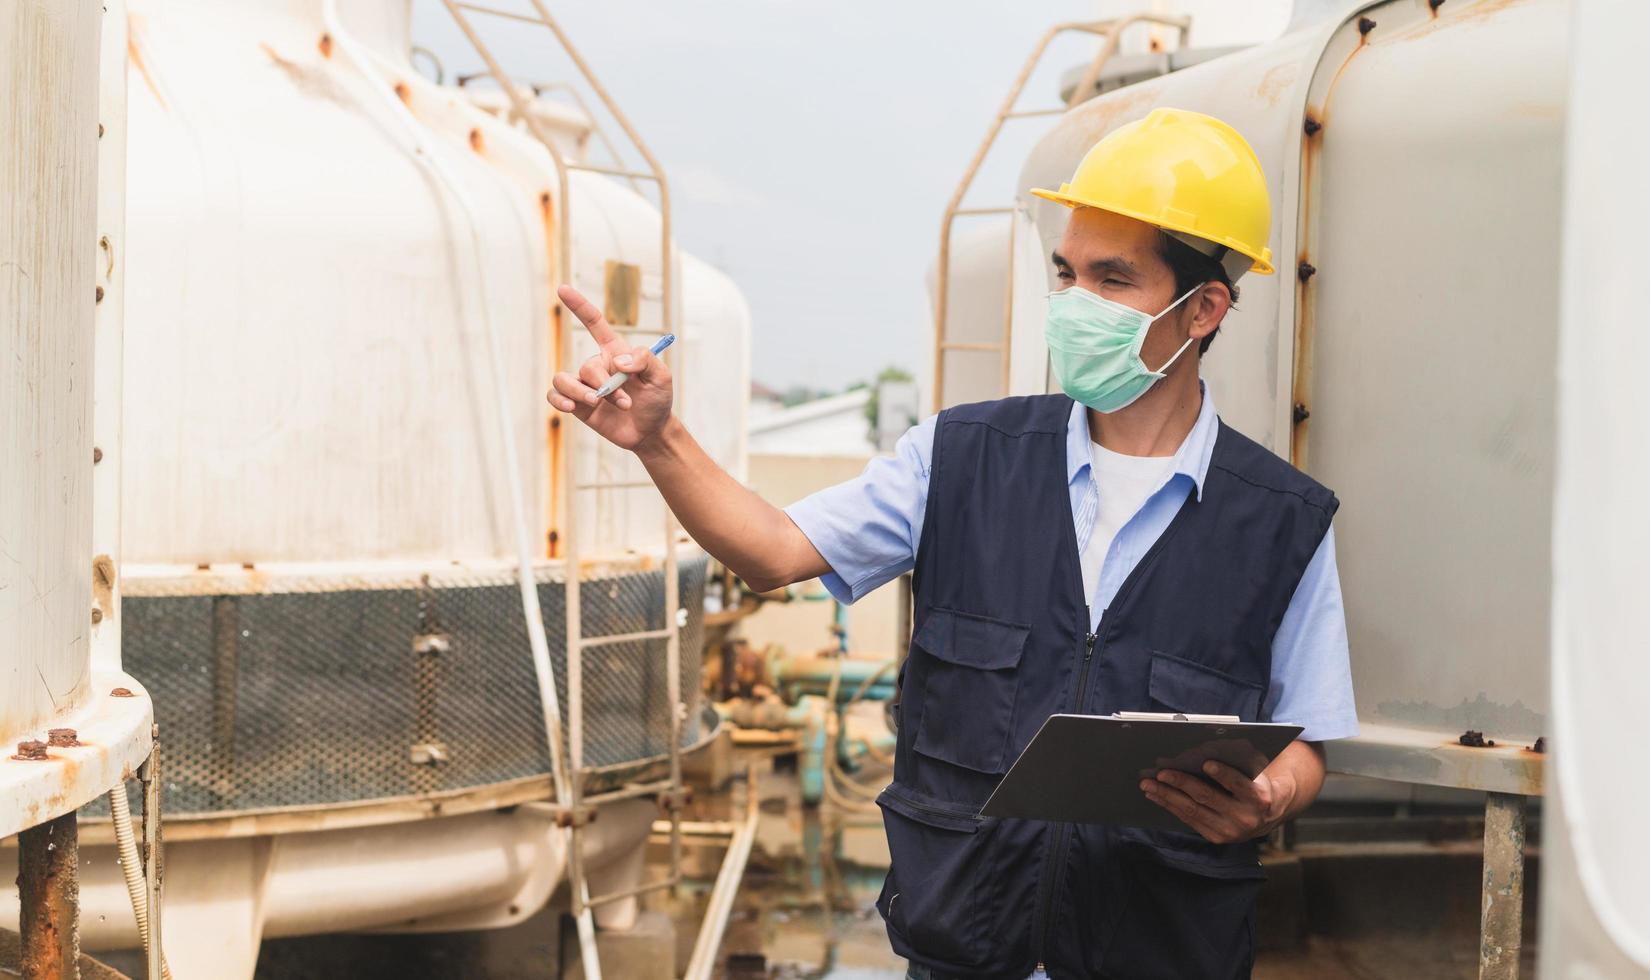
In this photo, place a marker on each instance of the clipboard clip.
(1176, 716)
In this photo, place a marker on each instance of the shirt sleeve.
(867, 529)
(1311, 665)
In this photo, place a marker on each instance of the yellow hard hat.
(1183, 172)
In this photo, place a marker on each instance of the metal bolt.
(1312, 126)
(1306, 270)
(121, 692)
(97, 455)
(63, 737)
(1301, 413)
(31, 751)
(99, 130)
(97, 615)
(1435, 4)
(100, 294)
(1365, 25)
(325, 45)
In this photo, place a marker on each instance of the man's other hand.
(1237, 809)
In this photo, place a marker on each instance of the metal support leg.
(1502, 926)
(149, 774)
(48, 884)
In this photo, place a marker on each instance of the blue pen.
(616, 380)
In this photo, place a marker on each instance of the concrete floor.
(805, 910)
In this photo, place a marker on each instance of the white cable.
(131, 868)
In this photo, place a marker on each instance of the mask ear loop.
(1170, 362)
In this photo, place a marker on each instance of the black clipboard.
(1087, 768)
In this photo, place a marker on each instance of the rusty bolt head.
(99, 130)
(1306, 270)
(63, 737)
(1312, 126)
(325, 44)
(100, 294)
(31, 751)
(1301, 413)
(1365, 25)
(121, 692)
(97, 615)
(97, 455)
(1435, 4)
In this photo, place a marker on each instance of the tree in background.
(872, 409)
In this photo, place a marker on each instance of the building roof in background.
(833, 426)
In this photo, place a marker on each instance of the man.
(1115, 547)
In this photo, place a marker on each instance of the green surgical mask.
(1095, 343)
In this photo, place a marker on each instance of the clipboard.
(1087, 768)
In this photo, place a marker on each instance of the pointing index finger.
(588, 315)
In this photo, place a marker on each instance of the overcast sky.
(811, 145)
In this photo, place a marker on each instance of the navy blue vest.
(1001, 642)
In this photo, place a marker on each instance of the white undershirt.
(1124, 484)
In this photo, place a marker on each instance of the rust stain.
(325, 45)
(134, 54)
(476, 142)
(402, 92)
(1276, 81)
(1539, 110)
(103, 584)
(1100, 115)
(313, 82)
(553, 438)
(1459, 14)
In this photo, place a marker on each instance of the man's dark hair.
(1190, 268)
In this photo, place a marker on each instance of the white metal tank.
(318, 578)
(54, 587)
(1596, 859)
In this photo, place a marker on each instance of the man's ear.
(1207, 308)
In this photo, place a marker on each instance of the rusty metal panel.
(1424, 363)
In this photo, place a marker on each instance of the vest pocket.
(931, 896)
(969, 682)
(1191, 688)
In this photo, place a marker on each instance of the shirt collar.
(1190, 460)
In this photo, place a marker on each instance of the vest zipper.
(1057, 853)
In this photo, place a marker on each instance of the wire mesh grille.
(303, 698)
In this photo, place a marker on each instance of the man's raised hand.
(635, 412)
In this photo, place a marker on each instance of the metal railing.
(1110, 33)
(569, 779)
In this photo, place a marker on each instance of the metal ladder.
(574, 810)
(1110, 32)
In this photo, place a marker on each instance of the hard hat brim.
(1262, 259)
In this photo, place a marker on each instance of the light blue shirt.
(867, 530)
